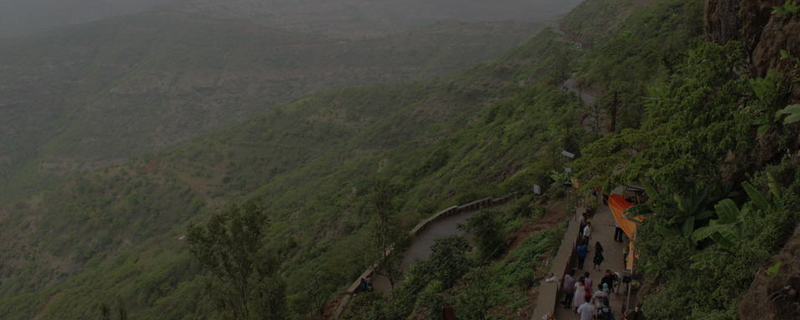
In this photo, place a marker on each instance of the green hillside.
(92, 95)
(692, 121)
(310, 163)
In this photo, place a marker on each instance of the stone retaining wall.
(451, 211)
(550, 294)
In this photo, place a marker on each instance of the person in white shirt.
(587, 232)
(600, 297)
(579, 295)
(587, 311)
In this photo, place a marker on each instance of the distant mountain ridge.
(356, 18)
(347, 18)
(95, 94)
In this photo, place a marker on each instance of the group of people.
(588, 300)
(589, 305)
(582, 249)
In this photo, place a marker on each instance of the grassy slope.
(113, 232)
(92, 95)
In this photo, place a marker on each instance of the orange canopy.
(618, 206)
(628, 224)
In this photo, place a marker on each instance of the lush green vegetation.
(231, 248)
(334, 172)
(455, 277)
(114, 232)
(699, 135)
(93, 95)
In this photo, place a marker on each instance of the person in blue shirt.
(583, 251)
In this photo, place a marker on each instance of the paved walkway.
(420, 248)
(603, 231)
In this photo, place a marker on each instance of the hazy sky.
(26, 16)
(19, 17)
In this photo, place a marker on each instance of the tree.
(431, 301)
(594, 114)
(448, 261)
(488, 231)
(386, 234)
(231, 247)
(475, 302)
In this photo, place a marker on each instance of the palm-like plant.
(681, 210)
(791, 112)
(726, 230)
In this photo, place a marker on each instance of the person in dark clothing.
(362, 287)
(583, 251)
(636, 314)
(609, 278)
(598, 256)
(617, 232)
(605, 313)
(598, 259)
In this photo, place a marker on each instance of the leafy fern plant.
(788, 9)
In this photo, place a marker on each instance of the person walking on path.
(617, 232)
(587, 232)
(610, 279)
(583, 251)
(598, 256)
(569, 288)
(587, 280)
(586, 311)
(600, 297)
(605, 313)
(580, 295)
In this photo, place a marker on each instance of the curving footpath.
(440, 225)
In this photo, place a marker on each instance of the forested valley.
(235, 170)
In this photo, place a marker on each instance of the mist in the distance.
(330, 17)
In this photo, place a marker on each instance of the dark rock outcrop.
(762, 33)
(772, 295)
(776, 296)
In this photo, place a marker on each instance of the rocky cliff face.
(763, 33)
(772, 296)
(776, 296)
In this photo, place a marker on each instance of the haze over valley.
(399, 160)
